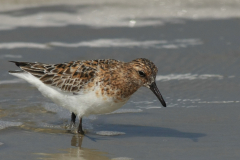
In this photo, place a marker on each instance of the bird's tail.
(19, 64)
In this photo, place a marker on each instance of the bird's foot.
(81, 132)
(72, 125)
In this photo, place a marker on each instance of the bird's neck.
(118, 83)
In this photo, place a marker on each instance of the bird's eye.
(142, 74)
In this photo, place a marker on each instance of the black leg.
(73, 118)
(80, 130)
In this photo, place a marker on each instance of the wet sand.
(195, 46)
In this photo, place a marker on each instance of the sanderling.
(90, 86)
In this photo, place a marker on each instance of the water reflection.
(76, 152)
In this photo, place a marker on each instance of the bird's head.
(144, 73)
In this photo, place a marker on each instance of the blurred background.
(194, 43)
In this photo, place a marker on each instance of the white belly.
(85, 104)
(82, 104)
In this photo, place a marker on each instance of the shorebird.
(86, 87)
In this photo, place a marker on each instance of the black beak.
(155, 90)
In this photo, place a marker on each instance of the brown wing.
(70, 77)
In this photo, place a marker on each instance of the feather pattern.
(90, 86)
(69, 76)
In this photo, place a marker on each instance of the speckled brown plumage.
(95, 86)
(115, 78)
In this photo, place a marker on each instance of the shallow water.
(195, 45)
